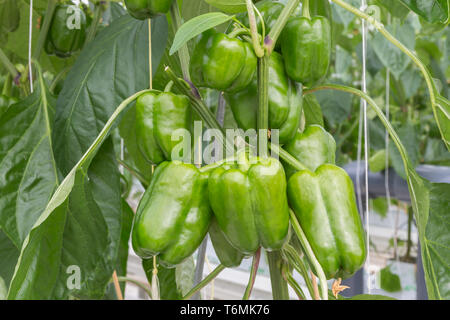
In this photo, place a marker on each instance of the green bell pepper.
(221, 62)
(158, 115)
(146, 9)
(325, 206)
(285, 102)
(227, 254)
(174, 215)
(312, 147)
(250, 204)
(61, 40)
(306, 48)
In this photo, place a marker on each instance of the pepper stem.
(168, 86)
(305, 9)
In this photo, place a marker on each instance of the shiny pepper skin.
(158, 115)
(228, 255)
(285, 102)
(222, 63)
(306, 48)
(325, 206)
(146, 9)
(174, 215)
(250, 205)
(61, 40)
(312, 147)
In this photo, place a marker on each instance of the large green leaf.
(435, 242)
(82, 223)
(195, 26)
(229, 6)
(391, 56)
(71, 231)
(433, 11)
(9, 254)
(27, 168)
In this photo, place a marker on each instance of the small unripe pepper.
(146, 9)
(221, 62)
(62, 40)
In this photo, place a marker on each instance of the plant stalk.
(183, 53)
(253, 272)
(8, 65)
(205, 281)
(99, 8)
(51, 6)
(279, 286)
(138, 283)
(259, 51)
(275, 32)
(310, 254)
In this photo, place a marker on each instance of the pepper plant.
(93, 96)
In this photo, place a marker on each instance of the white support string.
(30, 37)
(366, 147)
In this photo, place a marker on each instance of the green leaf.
(410, 137)
(433, 11)
(28, 174)
(9, 254)
(196, 26)
(312, 110)
(391, 56)
(229, 6)
(48, 250)
(3, 289)
(377, 162)
(81, 225)
(389, 281)
(442, 116)
(122, 257)
(166, 278)
(184, 275)
(380, 206)
(435, 241)
(336, 106)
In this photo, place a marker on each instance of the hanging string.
(366, 146)
(30, 36)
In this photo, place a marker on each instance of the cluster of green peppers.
(244, 203)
